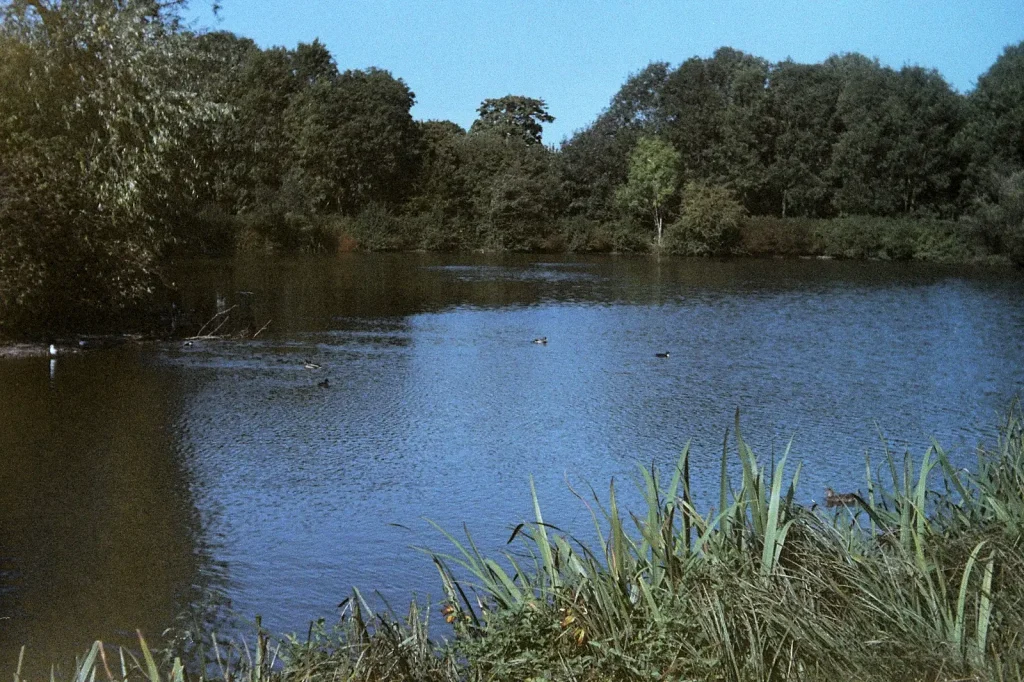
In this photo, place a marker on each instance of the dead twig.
(262, 328)
(223, 313)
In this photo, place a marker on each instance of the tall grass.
(923, 579)
(915, 583)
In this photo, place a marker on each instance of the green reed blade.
(542, 544)
(151, 670)
(86, 667)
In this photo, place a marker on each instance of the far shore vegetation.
(128, 139)
(918, 576)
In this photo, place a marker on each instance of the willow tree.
(95, 103)
(652, 181)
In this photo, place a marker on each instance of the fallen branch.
(262, 328)
(200, 335)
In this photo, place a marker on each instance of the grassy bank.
(919, 577)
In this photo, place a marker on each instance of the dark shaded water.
(134, 481)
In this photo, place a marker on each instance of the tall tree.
(513, 117)
(801, 120)
(595, 160)
(514, 187)
(94, 113)
(652, 182)
(439, 187)
(997, 108)
(711, 111)
(993, 138)
(353, 141)
(893, 154)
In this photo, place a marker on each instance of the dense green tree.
(638, 103)
(800, 118)
(312, 63)
(926, 168)
(693, 107)
(712, 111)
(439, 185)
(258, 154)
(738, 160)
(353, 142)
(894, 154)
(93, 116)
(440, 197)
(709, 221)
(652, 181)
(997, 110)
(512, 180)
(513, 117)
(993, 136)
(595, 161)
(223, 150)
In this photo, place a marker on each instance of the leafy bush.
(66, 265)
(900, 239)
(583, 235)
(377, 229)
(434, 231)
(1000, 223)
(95, 111)
(261, 231)
(626, 235)
(210, 231)
(769, 235)
(710, 221)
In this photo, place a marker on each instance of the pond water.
(137, 481)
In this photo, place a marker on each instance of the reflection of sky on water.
(446, 414)
(439, 406)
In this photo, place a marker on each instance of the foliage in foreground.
(920, 580)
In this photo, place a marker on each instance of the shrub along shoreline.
(919, 576)
(720, 234)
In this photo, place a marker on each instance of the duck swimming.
(834, 499)
(310, 365)
(662, 355)
(543, 340)
(324, 384)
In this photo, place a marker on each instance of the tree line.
(127, 139)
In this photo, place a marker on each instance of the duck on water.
(834, 499)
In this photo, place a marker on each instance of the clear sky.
(575, 54)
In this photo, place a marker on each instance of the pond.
(137, 482)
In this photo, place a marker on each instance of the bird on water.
(834, 499)
(543, 340)
(662, 355)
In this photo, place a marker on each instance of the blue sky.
(575, 54)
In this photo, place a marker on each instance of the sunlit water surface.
(137, 482)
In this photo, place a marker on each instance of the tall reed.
(915, 582)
